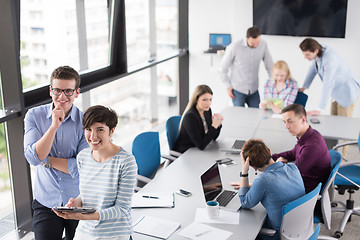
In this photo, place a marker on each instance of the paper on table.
(155, 227)
(226, 217)
(164, 199)
(199, 231)
(276, 115)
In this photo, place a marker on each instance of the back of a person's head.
(100, 114)
(66, 73)
(311, 45)
(282, 65)
(253, 32)
(298, 109)
(258, 153)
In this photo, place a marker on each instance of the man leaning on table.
(338, 80)
(53, 138)
(310, 153)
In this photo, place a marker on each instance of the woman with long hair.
(198, 127)
(281, 90)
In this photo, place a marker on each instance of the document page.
(143, 199)
(155, 227)
(226, 217)
(199, 231)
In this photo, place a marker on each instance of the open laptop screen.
(220, 40)
(211, 182)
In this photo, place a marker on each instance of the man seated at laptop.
(278, 185)
(310, 153)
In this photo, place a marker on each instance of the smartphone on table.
(183, 193)
(226, 161)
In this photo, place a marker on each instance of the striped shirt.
(108, 187)
(287, 94)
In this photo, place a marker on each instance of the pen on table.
(197, 235)
(150, 197)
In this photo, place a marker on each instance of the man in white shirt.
(240, 68)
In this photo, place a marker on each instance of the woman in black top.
(198, 126)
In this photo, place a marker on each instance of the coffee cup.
(213, 209)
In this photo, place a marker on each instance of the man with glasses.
(53, 138)
(310, 153)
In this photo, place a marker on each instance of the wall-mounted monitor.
(323, 18)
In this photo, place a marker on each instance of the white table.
(331, 127)
(185, 173)
(239, 123)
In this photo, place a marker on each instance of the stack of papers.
(155, 227)
(143, 200)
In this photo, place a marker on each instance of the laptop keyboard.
(225, 197)
(238, 144)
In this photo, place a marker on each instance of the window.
(130, 98)
(97, 32)
(137, 31)
(50, 37)
(166, 26)
(7, 222)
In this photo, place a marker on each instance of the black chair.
(301, 98)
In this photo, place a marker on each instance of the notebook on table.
(213, 190)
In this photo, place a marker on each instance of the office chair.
(146, 149)
(172, 133)
(347, 179)
(324, 196)
(298, 218)
(301, 98)
(315, 235)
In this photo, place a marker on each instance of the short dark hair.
(100, 114)
(298, 109)
(66, 73)
(258, 153)
(311, 45)
(253, 32)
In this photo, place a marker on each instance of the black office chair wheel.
(338, 234)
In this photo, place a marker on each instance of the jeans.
(252, 100)
(47, 225)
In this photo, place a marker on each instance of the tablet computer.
(75, 209)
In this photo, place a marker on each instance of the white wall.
(235, 17)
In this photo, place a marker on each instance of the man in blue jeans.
(240, 68)
(53, 138)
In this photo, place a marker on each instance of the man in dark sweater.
(310, 153)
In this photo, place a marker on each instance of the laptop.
(218, 41)
(213, 190)
(236, 147)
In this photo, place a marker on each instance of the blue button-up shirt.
(53, 187)
(278, 185)
(339, 81)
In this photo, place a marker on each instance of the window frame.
(16, 102)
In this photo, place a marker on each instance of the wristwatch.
(244, 175)
(47, 164)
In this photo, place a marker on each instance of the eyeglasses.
(58, 91)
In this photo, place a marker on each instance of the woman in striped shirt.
(281, 90)
(107, 179)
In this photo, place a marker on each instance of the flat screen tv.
(315, 18)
